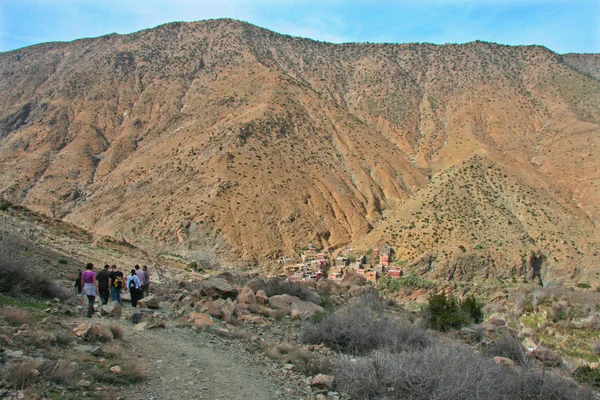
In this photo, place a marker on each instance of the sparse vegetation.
(360, 329)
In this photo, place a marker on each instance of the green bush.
(4, 205)
(62, 261)
(587, 375)
(445, 312)
(412, 282)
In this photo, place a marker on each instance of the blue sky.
(561, 25)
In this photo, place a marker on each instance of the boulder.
(229, 308)
(353, 279)
(503, 361)
(200, 320)
(84, 384)
(261, 297)
(297, 306)
(217, 288)
(111, 309)
(327, 287)
(247, 296)
(150, 302)
(321, 381)
(548, 357)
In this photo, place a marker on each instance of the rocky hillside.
(220, 136)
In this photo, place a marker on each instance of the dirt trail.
(183, 364)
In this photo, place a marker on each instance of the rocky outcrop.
(217, 288)
(296, 306)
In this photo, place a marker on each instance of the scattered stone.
(97, 351)
(136, 318)
(503, 361)
(321, 381)
(116, 370)
(150, 302)
(83, 383)
(261, 297)
(82, 329)
(141, 326)
(18, 354)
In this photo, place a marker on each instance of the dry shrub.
(21, 280)
(360, 329)
(309, 363)
(15, 316)
(117, 331)
(112, 350)
(596, 348)
(22, 375)
(133, 371)
(61, 372)
(444, 372)
(35, 338)
(509, 347)
(99, 333)
(560, 310)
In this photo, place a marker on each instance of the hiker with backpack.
(134, 286)
(90, 287)
(103, 284)
(146, 282)
(116, 284)
(140, 275)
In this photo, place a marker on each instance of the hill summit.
(220, 137)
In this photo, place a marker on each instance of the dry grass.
(131, 372)
(15, 316)
(117, 331)
(306, 362)
(62, 372)
(22, 375)
(112, 350)
(99, 333)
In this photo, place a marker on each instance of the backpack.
(118, 282)
(132, 284)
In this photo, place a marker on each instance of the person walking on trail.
(134, 286)
(103, 284)
(90, 287)
(116, 284)
(140, 275)
(78, 285)
(146, 282)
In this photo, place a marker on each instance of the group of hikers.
(110, 282)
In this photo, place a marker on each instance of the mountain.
(220, 137)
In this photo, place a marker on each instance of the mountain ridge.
(168, 135)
